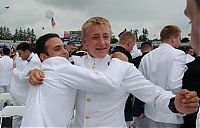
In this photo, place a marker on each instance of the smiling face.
(54, 47)
(192, 11)
(96, 36)
(97, 40)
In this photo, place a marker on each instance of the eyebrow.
(58, 46)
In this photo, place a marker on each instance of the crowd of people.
(92, 86)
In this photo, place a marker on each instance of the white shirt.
(107, 110)
(52, 103)
(198, 120)
(135, 52)
(19, 90)
(16, 82)
(6, 65)
(165, 67)
(189, 58)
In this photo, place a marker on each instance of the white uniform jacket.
(6, 65)
(107, 110)
(19, 92)
(52, 103)
(165, 67)
(16, 82)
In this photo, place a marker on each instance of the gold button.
(89, 99)
(87, 117)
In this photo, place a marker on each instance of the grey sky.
(70, 14)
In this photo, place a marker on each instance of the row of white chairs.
(9, 111)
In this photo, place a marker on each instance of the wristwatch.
(172, 105)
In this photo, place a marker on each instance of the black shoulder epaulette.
(79, 53)
(72, 62)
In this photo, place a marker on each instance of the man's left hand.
(186, 102)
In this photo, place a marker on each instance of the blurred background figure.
(190, 53)
(145, 48)
(71, 47)
(135, 52)
(20, 87)
(6, 65)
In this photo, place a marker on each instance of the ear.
(129, 42)
(83, 43)
(43, 56)
(173, 41)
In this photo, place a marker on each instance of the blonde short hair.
(94, 21)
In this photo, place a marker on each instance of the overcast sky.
(71, 14)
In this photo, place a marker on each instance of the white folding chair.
(9, 111)
(5, 96)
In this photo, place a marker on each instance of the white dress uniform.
(165, 67)
(6, 65)
(16, 82)
(107, 110)
(52, 103)
(20, 91)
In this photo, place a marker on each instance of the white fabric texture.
(100, 110)
(189, 58)
(198, 120)
(6, 65)
(20, 86)
(52, 103)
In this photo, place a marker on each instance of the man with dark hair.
(190, 54)
(6, 51)
(20, 92)
(41, 41)
(145, 48)
(189, 50)
(191, 77)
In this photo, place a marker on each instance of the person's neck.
(123, 46)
